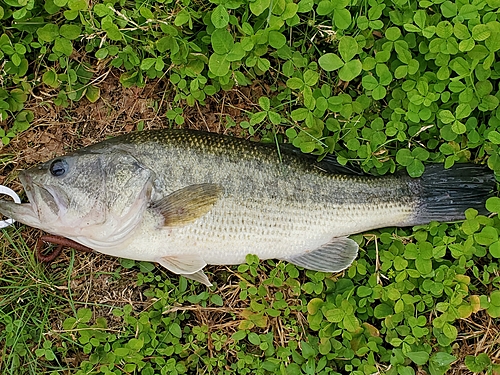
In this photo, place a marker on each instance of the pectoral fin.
(188, 204)
(333, 256)
(187, 265)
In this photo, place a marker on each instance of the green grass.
(29, 300)
(385, 84)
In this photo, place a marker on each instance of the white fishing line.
(11, 193)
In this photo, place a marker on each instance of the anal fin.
(183, 263)
(334, 256)
(187, 265)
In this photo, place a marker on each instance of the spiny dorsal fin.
(334, 256)
(188, 204)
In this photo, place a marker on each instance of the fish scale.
(186, 199)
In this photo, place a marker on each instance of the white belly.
(231, 230)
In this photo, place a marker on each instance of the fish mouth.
(25, 213)
(39, 195)
(26, 181)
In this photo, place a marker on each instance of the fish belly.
(269, 230)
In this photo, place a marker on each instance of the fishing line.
(11, 193)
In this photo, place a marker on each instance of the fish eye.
(58, 167)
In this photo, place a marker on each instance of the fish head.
(85, 194)
(66, 191)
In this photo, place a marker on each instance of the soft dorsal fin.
(187, 204)
(334, 256)
(328, 163)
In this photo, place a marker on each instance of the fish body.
(186, 199)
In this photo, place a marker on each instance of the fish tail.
(445, 194)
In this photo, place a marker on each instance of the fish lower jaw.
(24, 213)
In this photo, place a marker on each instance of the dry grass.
(478, 334)
(57, 130)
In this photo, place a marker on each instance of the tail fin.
(445, 194)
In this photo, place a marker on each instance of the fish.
(186, 199)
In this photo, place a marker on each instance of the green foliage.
(26, 308)
(479, 363)
(374, 77)
(384, 83)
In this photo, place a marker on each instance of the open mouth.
(49, 197)
(40, 195)
(27, 184)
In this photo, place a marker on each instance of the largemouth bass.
(185, 199)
